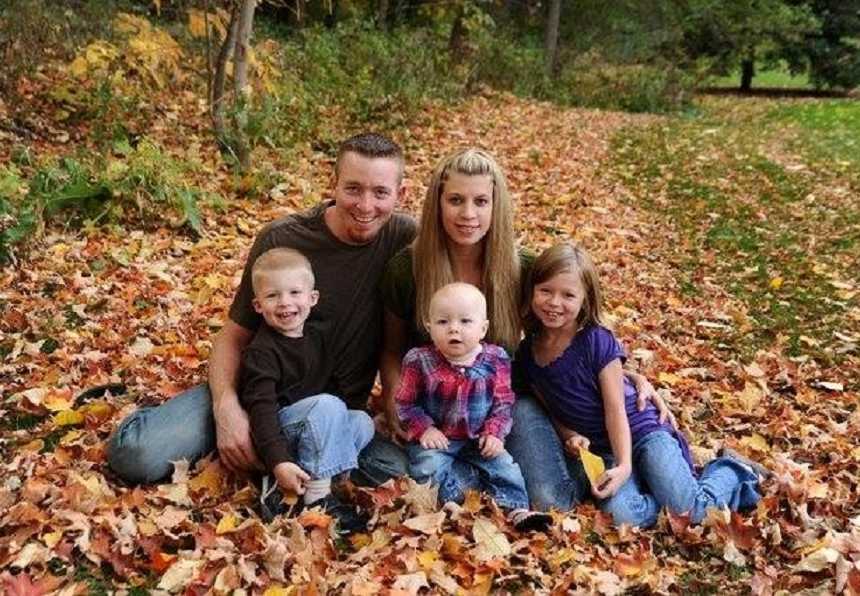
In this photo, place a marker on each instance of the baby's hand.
(574, 442)
(432, 438)
(291, 477)
(610, 481)
(490, 446)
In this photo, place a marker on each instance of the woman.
(466, 234)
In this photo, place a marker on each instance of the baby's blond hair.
(459, 287)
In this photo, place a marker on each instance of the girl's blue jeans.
(662, 478)
(499, 477)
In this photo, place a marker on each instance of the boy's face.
(285, 297)
(366, 191)
(458, 322)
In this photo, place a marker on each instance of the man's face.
(285, 297)
(365, 194)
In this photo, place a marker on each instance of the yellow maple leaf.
(68, 418)
(227, 524)
(593, 464)
(776, 283)
(756, 442)
(277, 590)
(668, 379)
(427, 559)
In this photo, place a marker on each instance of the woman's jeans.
(323, 436)
(499, 476)
(661, 477)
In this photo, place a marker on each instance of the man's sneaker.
(524, 520)
(758, 469)
(349, 518)
(271, 499)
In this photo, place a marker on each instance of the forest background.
(706, 152)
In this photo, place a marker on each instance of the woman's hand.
(490, 446)
(610, 481)
(433, 438)
(574, 442)
(291, 477)
(646, 392)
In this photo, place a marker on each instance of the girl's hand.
(610, 481)
(574, 443)
(291, 477)
(432, 438)
(490, 446)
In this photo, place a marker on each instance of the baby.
(455, 402)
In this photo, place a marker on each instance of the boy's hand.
(432, 438)
(575, 442)
(490, 446)
(290, 477)
(611, 480)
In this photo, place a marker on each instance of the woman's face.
(467, 208)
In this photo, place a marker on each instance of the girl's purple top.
(570, 386)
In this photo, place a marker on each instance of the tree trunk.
(216, 101)
(240, 79)
(457, 43)
(382, 15)
(747, 72)
(551, 37)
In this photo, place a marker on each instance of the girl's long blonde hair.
(566, 257)
(500, 274)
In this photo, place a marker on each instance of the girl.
(574, 363)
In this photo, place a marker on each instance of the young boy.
(303, 435)
(455, 400)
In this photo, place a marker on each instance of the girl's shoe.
(524, 520)
(758, 469)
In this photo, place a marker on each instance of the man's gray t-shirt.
(347, 277)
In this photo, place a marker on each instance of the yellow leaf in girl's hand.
(593, 465)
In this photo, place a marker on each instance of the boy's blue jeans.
(500, 476)
(324, 436)
(148, 440)
(661, 477)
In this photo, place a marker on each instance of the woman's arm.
(395, 332)
(645, 392)
(618, 428)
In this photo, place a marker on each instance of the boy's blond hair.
(278, 259)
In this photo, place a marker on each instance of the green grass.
(763, 191)
(778, 78)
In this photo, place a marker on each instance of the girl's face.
(557, 301)
(467, 208)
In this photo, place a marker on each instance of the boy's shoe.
(524, 520)
(271, 499)
(758, 469)
(349, 518)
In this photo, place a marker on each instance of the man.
(348, 242)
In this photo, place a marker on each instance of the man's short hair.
(372, 145)
(278, 259)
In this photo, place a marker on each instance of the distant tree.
(551, 36)
(742, 33)
(830, 54)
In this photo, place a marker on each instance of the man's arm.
(390, 361)
(232, 429)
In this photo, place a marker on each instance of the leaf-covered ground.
(707, 251)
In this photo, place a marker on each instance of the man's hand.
(610, 481)
(233, 434)
(574, 442)
(433, 438)
(490, 446)
(291, 477)
(394, 429)
(646, 393)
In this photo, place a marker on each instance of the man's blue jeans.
(661, 477)
(324, 436)
(146, 443)
(499, 477)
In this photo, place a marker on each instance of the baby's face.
(285, 297)
(458, 322)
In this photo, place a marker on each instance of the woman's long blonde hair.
(500, 275)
